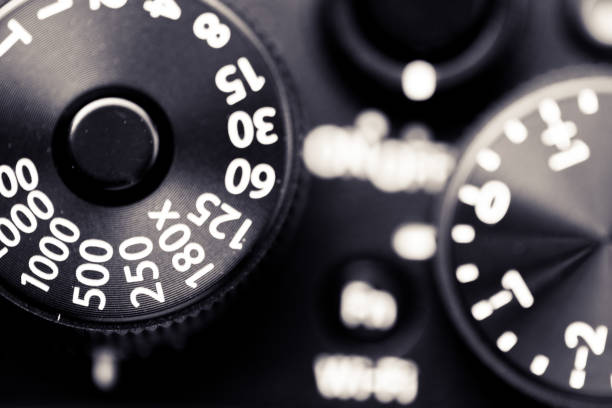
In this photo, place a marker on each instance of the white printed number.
(209, 28)
(595, 341)
(562, 135)
(86, 299)
(93, 274)
(54, 249)
(175, 239)
(163, 8)
(491, 202)
(230, 214)
(23, 218)
(243, 130)
(137, 249)
(235, 87)
(239, 176)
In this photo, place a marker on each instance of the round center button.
(113, 143)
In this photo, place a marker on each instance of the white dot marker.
(482, 310)
(415, 242)
(467, 273)
(507, 341)
(577, 378)
(104, 369)
(463, 233)
(539, 365)
(419, 80)
(588, 103)
(488, 160)
(515, 131)
(468, 194)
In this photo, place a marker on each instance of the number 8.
(208, 27)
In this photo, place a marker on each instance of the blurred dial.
(525, 230)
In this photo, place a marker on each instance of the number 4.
(163, 8)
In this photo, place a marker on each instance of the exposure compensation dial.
(147, 161)
(525, 260)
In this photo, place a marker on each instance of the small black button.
(114, 143)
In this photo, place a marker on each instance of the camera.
(321, 203)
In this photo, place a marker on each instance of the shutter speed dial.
(525, 233)
(148, 159)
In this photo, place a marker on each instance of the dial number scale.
(525, 256)
(225, 128)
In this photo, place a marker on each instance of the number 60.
(239, 176)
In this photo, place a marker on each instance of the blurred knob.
(431, 45)
(433, 30)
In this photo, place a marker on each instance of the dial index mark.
(489, 160)
(463, 233)
(539, 365)
(468, 194)
(578, 375)
(588, 103)
(515, 131)
(507, 341)
(467, 273)
(514, 286)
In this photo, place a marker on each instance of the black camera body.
(358, 229)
